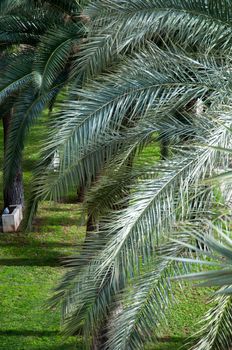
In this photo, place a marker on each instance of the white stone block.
(11, 221)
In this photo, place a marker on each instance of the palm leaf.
(104, 107)
(54, 51)
(215, 333)
(27, 109)
(17, 75)
(181, 22)
(144, 304)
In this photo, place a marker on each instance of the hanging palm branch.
(93, 112)
(119, 27)
(36, 72)
(151, 60)
(55, 50)
(215, 326)
(130, 236)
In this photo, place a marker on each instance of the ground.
(30, 268)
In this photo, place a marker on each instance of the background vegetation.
(30, 268)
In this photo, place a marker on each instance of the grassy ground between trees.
(30, 268)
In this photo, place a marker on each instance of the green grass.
(30, 269)
(190, 306)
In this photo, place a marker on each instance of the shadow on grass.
(27, 333)
(75, 344)
(30, 252)
(37, 244)
(169, 343)
(56, 209)
(51, 262)
(172, 339)
(63, 346)
(61, 220)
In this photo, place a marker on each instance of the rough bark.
(99, 341)
(81, 194)
(13, 192)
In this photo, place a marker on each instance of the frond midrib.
(13, 83)
(188, 12)
(145, 302)
(156, 194)
(50, 58)
(131, 91)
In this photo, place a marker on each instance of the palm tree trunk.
(99, 341)
(13, 192)
(81, 194)
(164, 145)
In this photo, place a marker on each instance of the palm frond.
(17, 75)
(104, 107)
(27, 109)
(215, 333)
(220, 251)
(145, 302)
(86, 302)
(54, 51)
(183, 23)
(57, 6)
(128, 235)
(16, 29)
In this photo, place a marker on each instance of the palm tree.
(44, 41)
(146, 62)
(154, 188)
(150, 285)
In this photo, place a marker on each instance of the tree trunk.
(13, 192)
(98, 343)
(90, 226)
(164, 145)
(99, 340)
(81, 194)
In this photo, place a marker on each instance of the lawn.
(30, 268)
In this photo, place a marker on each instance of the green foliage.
(144, 68)
(215, 332)
(148, 66)
(30, 269)
(43, 41)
